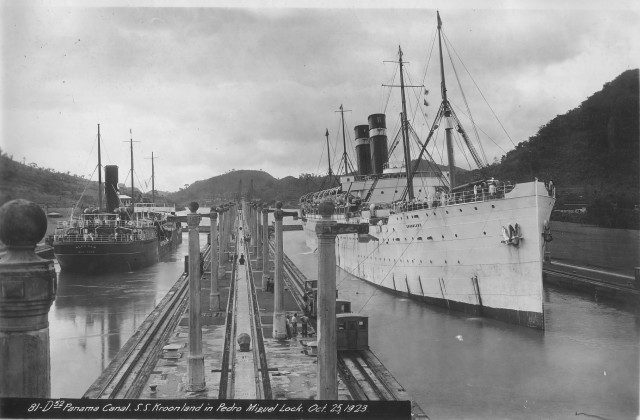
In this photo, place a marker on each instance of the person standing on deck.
(294, 323)
(304, 321)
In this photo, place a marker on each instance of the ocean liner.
(118, 239)
(476, 247)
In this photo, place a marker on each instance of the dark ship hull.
(92, 257)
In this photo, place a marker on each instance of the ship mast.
(344, 144)
(446, 110)
(405, 134)
(153, 181)
(99, 174)
(329, 155)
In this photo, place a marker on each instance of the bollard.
(27, 290)
(214, 296)
(196, 358)
(326, 231)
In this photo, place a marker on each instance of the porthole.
(456, 235)
(493, 207)
(460, 210)
(442, 236)
(458, 261)
(484, 233)
(476, 208)
(445, 261)
(447, 211)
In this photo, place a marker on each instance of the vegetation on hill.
(590, 153)
(50, 188)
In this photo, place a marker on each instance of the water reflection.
(93, 317)
(458, 366)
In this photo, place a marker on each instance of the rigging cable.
(483, 97)
(479, 162)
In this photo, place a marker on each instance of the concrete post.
(327, 345)
(254, 229)
(279, 322)
(196, 358)
(326, 231)
(265, 248)
(214, 295)
(258, 236)
(27, 290)
(221, 225)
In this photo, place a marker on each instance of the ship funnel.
(111, 187)
(363, 151)
(378, 142)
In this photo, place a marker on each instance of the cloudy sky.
(210, 89)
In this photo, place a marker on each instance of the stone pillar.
(221, 255)
(327, 345)
(326, 231)
(254, 229)
(258, 236)
(196, 358)
(279, 322)
(27, 290)
(265, 248)
(214, 295)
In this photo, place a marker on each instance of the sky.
(212, 87)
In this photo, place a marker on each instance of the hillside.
(593, 147)
(257, 185)
(48, 187)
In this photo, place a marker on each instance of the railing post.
(196, 358)
(27, 290)
(214, 295)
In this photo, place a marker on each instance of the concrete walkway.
(243, 361)
(292, 372)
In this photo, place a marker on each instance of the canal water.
(585, 364)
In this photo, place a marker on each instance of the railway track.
(260, 375)
(127, 373)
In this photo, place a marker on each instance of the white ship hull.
(455, 255)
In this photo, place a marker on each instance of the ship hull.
(97, 257)
(456, 256)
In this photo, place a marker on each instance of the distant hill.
(258, 185)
